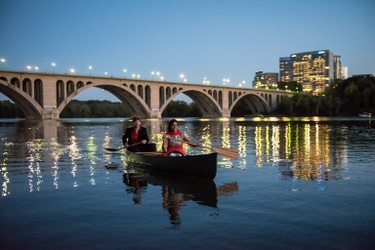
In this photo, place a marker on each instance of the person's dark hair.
(136, 118)
(170, 124)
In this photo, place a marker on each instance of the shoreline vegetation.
(348, 97)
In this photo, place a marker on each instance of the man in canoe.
(173, 140)
(135, 137)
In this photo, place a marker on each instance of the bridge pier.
(50, 114)
(155, 113)
(226, 113)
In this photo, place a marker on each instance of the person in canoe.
(135, 137)
(173, 140)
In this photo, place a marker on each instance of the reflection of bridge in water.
(45, 95)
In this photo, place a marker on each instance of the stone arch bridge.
(45, 95)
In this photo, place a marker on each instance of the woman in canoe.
(135, 135)
(173, 140)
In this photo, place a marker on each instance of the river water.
(298, 183)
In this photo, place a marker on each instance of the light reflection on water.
(302, 148)
(279, 158)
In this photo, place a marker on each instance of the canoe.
(203, 166)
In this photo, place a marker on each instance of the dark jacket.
(127, 138)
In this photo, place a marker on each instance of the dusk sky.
(215, 39)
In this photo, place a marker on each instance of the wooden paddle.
(226, 152)
(117, 149)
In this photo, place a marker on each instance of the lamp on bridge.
(2, 63)
(36, 68)
(226, 80)
(182, 77)
(205, 81)
(124, 72)
(90, 68)
(72, 71)
(53, 67)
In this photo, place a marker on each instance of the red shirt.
(134, 135)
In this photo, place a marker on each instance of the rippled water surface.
(298, 183)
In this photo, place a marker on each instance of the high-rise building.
(344, 72)
(265, 80)
(271, 79)
(337, 67)
(314, 70)
(285, 69)
(258, 79)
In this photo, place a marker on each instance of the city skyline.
(203, 40)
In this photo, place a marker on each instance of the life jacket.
(175, 144)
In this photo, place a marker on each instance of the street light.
(36, 68)
(53, 67)
(72, 71)
(29, 67)
(182, 77)
(204, 80)
(2, 63)
(124, 72)
(90, 68)
(226, 80)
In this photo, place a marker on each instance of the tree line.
(103, 109)
(347, 97)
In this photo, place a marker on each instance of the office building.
(266, 80)
(314, 70)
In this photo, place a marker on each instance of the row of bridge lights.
(153, 74)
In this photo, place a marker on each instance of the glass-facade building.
(314, 70)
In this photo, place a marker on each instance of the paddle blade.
(227, 152)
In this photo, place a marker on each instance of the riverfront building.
(266, 80)
(314, 70)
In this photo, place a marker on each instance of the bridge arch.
(204, 101)
(127, 95)
(256, 103)
(30, 107)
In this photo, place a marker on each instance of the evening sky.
(216, 39)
